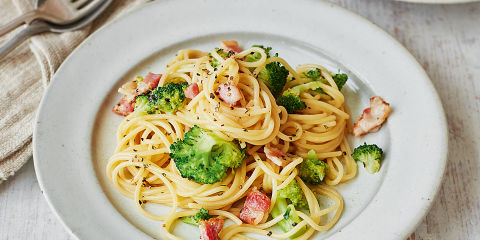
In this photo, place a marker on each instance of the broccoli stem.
(290, 217)
(190, 220)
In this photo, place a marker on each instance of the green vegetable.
(370, 155)
(168, 98)
(315, 75)
(267, 49)
(274, 75)
(139, 79)
(340, 79)
(214, 62)
(144, 106)
(290, 98)
(204, 157)
(291, 102)
(292, 192)
(253, 57)
(312, 170)
(203, 214)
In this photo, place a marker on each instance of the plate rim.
(442, 121)
(432, 2)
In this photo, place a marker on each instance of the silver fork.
(58, 12)
(39, 26)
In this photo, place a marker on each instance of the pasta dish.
(237, 141)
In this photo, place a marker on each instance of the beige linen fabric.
(26, 72)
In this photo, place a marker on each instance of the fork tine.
(79, 3)
(90, 6)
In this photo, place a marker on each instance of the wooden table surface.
(445, 39)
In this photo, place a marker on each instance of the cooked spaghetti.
(142, 167)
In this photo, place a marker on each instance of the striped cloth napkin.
(26, 72)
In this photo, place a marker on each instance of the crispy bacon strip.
(372, 117)
(231, 45)
(255, 207)
(229, 93)
(210, 228)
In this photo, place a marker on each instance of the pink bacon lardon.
(231, 45)
(256, 206)
(192, 91)
(124, 107)
(372, 117)
(210, 228)
(132, 89)
(229, 93)
(149, 82)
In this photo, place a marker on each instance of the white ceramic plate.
(439, 1)
(75, 129)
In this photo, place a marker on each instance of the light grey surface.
(24, 213)
(62, 151)
(445, 40)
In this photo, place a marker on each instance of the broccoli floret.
(294, 193)
(291, 102)
(143, 106)
(312, 170)
(290, 98)
(203, 214)
(204, 157)
(253, 57)
(340, 79)
(315, 75)
(168, 98)
(214, 62)
(370, 155)
(274, 75)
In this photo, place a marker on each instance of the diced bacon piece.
(192, 91)
(231, 45)
(152, 80)
(210, 228)
(124, 107)
(149, 82)
(229, 93)
(255, 207)
(276, 156)
(372, 117)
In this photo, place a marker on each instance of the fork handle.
(30, 30)
(23, 19)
